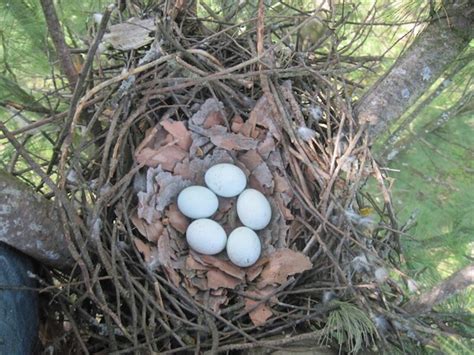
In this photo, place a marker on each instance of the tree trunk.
(438, 45)
(31, 224)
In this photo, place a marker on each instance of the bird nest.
(188, 98)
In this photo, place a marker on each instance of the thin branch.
(57, 35)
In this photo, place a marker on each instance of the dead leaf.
(200, 283)
(177, 220)
(214, 119)
(251, 159)
(215, 302)
(221, 138)
(189, 287)
(237, 123)
(179, 132)
(149, 253)
(217, 279)
(223, 265)
(164, 249)
(193, 264)
(266, 146)
(134, 33)
(166, 156)
(263, 116)
(150, 231)
(264, 176)
(261, 313)
(283, 263)
(254, 271)
(173, 276)
(207, 108)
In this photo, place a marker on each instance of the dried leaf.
(223, 265)
(217, 279)
(177, 220)
(173, 276)
(200, 283)
(134, 33)
(266, 146)
(164, 250)
(215, 302)
(261, 313)
(149, 253)
(221, 138)
(262, 115)
(179, 132)
(150, 231)
(283, 263)
(251, 159)
(237, 123)
(254, 271)
(166, 156)
(193, 264)
(208, 107)
(214, 119)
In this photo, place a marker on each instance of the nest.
(194, 97)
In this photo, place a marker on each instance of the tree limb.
(438, 45)
(57, 35)
(31, 224)
(457, 282)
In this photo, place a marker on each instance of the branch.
(438, 45)
(457, 282)
(31, 224)
(57, 35)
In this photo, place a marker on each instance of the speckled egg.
(243, 247)
(253, 209)
(226, 180)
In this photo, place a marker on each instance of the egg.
(253, 209)
(243, 247)
(206, 236)
(197, 202)
(226, 180)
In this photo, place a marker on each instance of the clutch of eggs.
(207, 236)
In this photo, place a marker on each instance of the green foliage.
(349, 326)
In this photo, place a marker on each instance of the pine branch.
(457, 282)
(57, 35)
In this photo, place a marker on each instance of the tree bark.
(438, 45)
(57, 35)
(31, 224)
(457, 282)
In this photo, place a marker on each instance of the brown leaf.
(217, 279)
(223, 265)
(213, 119)
(150, 231)
(134, 33)
(254, 271)
(149, 253)
(251, 159)
(177, 220)
(220, 137)
(179, 132)
(193, 264)
(237, 123)
(215, 302)
(258, 314)
(263, 116)
(266, 146)
(164, 249)
(200, 283)
(173, 276)
(166, 156)
(190, 287)
(283, 263)
(207, 108)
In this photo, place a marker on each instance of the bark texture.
(57, 35)
(457, 282)
(437, 46)
(31, 224)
